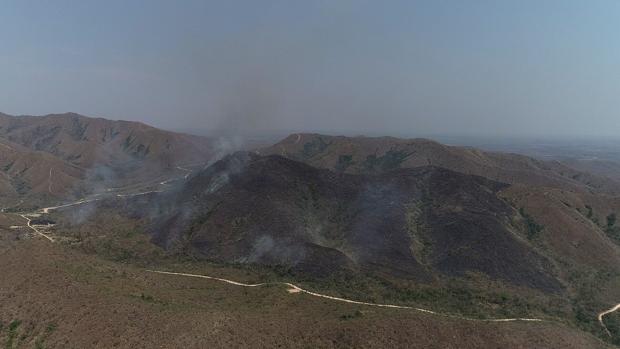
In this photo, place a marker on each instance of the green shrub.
(344, 161)
(391, 160)
(12, 333)
(612, 322)
(356, 314)
(611, 220)
(590, 212)
(532, 227)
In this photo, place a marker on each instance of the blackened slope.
(272, 210)
(469, 231)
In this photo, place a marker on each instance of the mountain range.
(406, 221)
(59, 156)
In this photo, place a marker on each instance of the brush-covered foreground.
(58, 296)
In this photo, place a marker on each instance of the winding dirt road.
(296, 289)
(138, 194)
(608, 311)
(79, 202)
(47, 210)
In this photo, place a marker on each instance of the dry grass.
(68, 299)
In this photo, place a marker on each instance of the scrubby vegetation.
(591, 215)
(12, 333)
(612, 321)
(49, 329)
(533, 229)
(316, 146)
(344, 161)
(611, 229)
(348, 316)
(392, 159)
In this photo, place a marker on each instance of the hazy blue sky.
(394, 67)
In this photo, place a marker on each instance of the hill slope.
(425, 236)
(371, 155)
(410, 223)
(79, 150)
(25, 171)
(81, 301)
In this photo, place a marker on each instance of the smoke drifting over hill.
(404, 68)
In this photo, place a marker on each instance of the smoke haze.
(522, 68)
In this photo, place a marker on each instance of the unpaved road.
(79, 202)
(85, 201)
(138, 194)
(296, 289)
(46, 210)
(37, 231)
(94, 197)
(608, 311)
(188, 172)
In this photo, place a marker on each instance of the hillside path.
(296, 289)
(603, 313)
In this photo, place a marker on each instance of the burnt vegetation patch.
(42, 221)
(279, 212)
